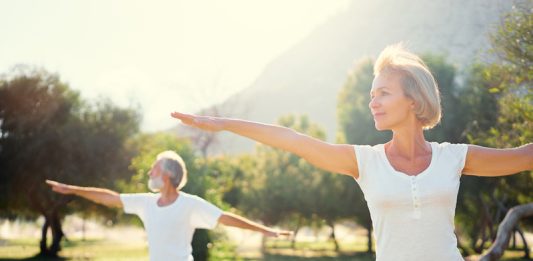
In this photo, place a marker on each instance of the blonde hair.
(417, 82)
(175, 166)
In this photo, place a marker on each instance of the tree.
(508, 80)
(48, 132)
(356, 126)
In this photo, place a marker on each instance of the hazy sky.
(162, 55)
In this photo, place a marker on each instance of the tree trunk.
(57, 233)
(464, 250)
(52, 220)
(505, 229)
(263, 244)
(526, 247)
(44, 231)
(485, 227)
(293, 241)
(332, 236)
(369, 236)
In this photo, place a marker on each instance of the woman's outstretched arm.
(489, 162)
(338, 158)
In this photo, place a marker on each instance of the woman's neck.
(408, 143)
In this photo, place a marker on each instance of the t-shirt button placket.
(416, 202)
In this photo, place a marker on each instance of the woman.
(410, 184)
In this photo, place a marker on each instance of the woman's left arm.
(489, 162)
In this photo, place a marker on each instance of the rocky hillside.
(306, 79)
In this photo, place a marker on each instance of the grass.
(26, 249)
(99, 249)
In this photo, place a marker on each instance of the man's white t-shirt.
(412, 216)
(170, 228)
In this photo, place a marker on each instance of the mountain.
(306, 79)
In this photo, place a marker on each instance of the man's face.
(156, 182)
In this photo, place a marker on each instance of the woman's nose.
(373, 103)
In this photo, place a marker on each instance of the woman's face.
(388, 103)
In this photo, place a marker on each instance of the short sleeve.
(134, 203)
(362, 156)
(458, 153)
(204, 214)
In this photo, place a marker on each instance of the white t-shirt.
(170, 228)
(412, 216)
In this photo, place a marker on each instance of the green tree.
(453, 121)
(48, 132)
(500, 103)
(356, 126)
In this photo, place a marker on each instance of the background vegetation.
(47, 131)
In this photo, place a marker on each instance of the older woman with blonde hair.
(410, 184)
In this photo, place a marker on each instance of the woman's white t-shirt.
(170, 228)
(412, 216)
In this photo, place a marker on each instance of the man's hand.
(60, 187)
(277, 233)
(234, 220)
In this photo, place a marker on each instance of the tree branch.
(505, 229)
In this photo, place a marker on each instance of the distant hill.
(306, 79)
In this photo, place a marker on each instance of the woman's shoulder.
(448, 149)
(376, 147)
(448, 145)
(368, 151)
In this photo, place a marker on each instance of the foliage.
(499, 104)
(48, 132)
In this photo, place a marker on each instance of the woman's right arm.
(338, 158)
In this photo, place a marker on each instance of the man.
(170, 216)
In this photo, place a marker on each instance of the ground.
(93, 241)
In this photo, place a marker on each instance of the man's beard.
(155, 184)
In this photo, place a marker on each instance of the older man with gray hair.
(169, 216)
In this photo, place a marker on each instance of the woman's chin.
(380, 127)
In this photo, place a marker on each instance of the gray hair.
(417, 82)
(174, 165)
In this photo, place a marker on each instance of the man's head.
(168, 167)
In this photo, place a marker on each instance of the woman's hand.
(202, 122)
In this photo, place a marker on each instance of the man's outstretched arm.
(233, 220)
(102, 196)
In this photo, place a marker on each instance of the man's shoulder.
(191, 197)
(188, 196)
(146, 195)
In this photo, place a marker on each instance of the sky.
(160, 55)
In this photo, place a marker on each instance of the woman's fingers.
(202, 122)
(185, 118)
